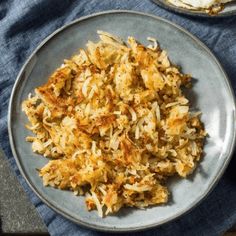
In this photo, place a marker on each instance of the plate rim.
(189, 12)
(88, 224)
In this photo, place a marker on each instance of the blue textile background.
(25, 23)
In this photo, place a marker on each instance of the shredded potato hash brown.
(115, 124)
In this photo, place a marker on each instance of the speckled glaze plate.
(211, 94)
(229, 9)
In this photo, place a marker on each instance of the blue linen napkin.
(24, 24)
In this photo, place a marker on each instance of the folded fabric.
(24, 24)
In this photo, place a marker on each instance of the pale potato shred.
(115, 122)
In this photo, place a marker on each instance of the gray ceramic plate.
(229, 9)
(211, 94)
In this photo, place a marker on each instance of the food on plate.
(115, 124)
(208, 6)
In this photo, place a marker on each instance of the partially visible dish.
(116, 123)
(207, 8)
(210, 7)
